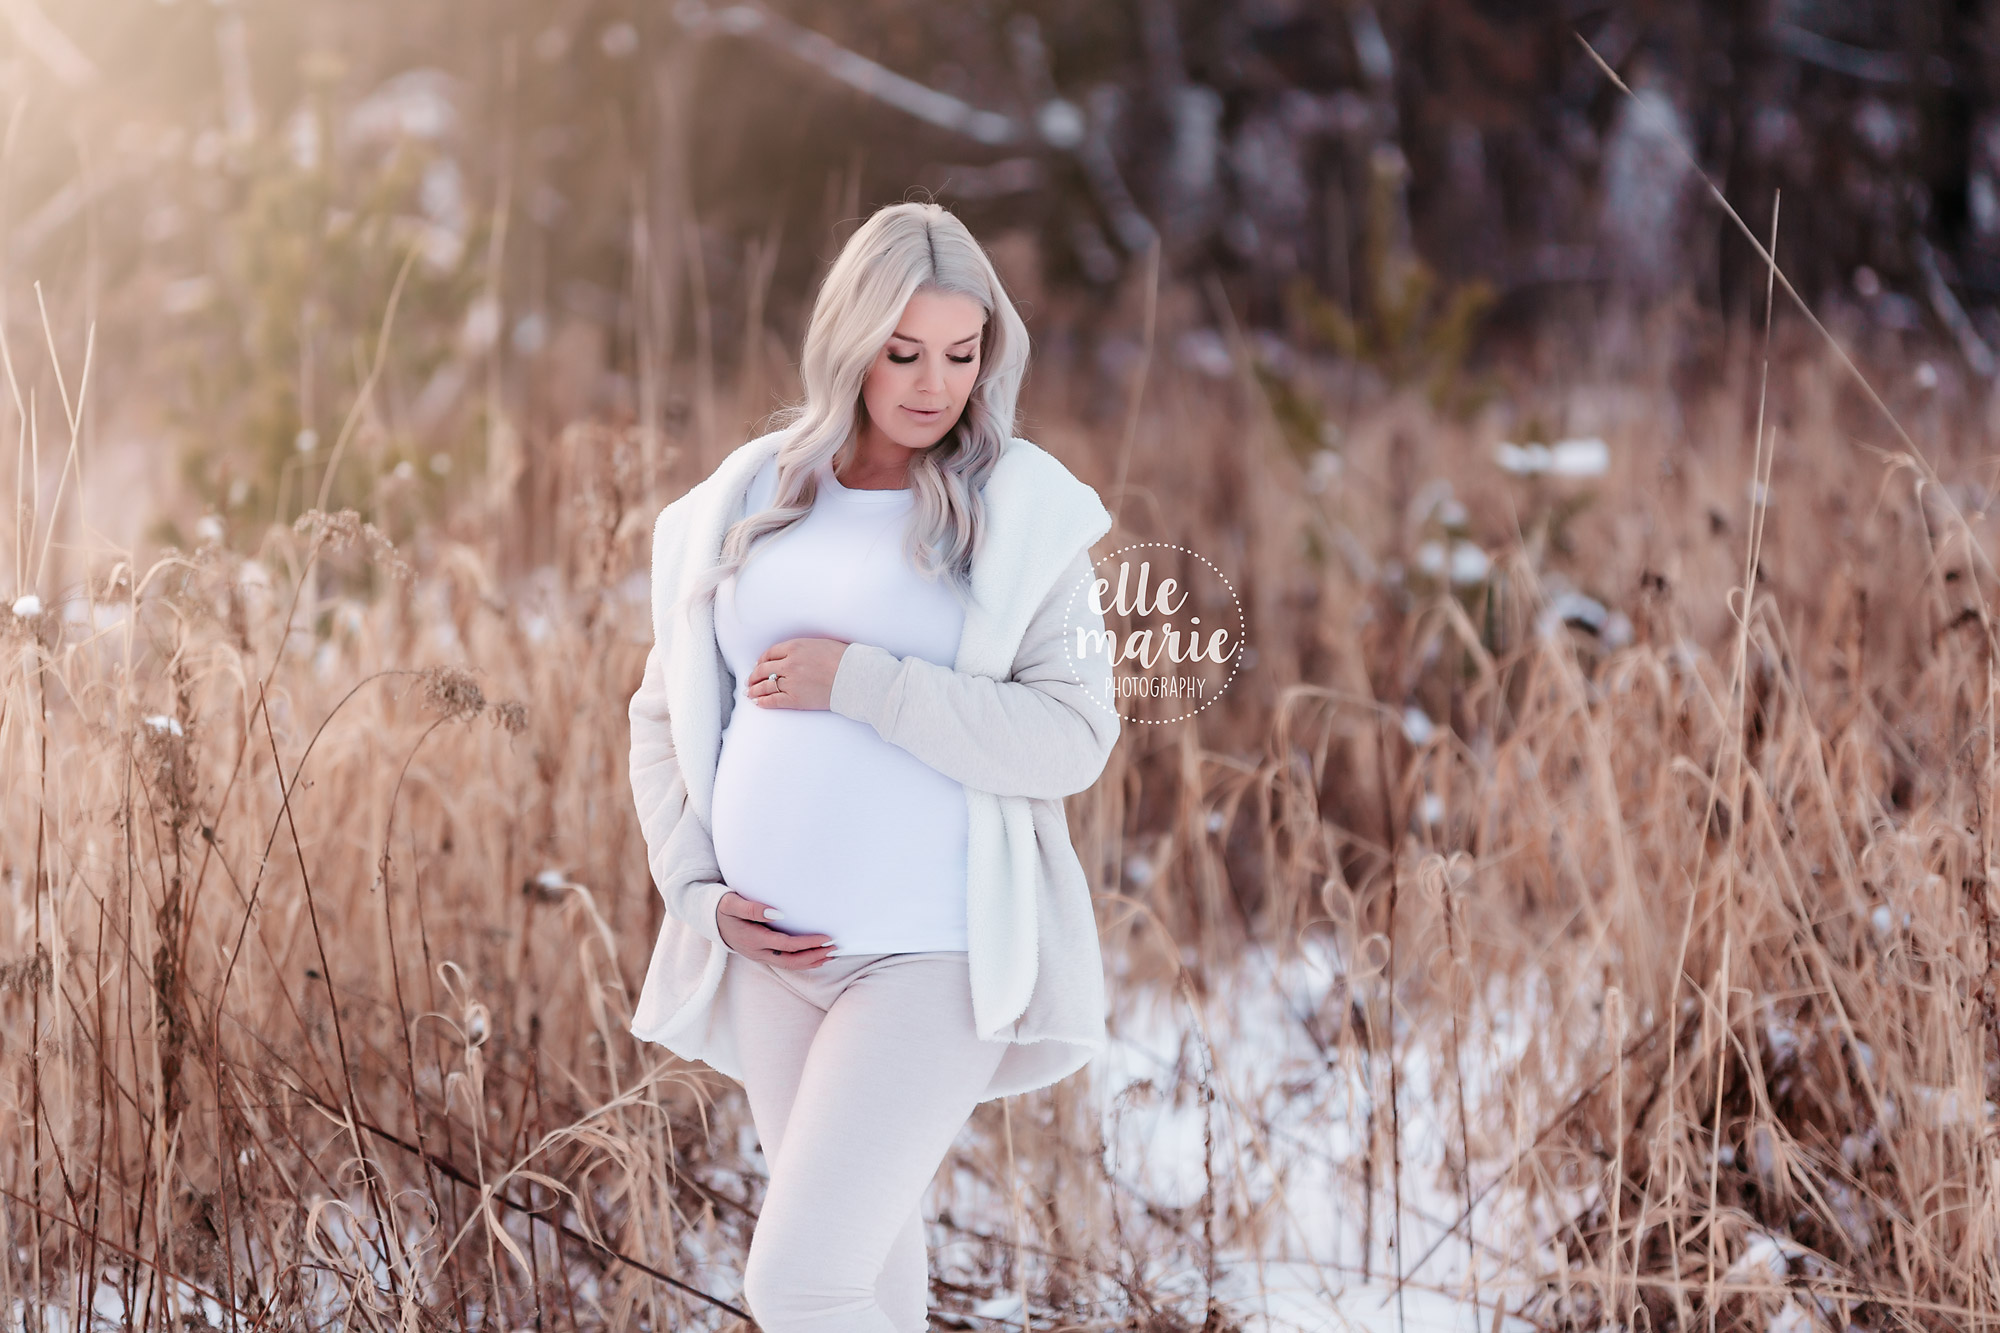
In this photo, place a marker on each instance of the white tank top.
(814, 813)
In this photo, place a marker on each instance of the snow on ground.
(1304, 1242)
(1291, 1131)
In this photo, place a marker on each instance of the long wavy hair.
(900, 250)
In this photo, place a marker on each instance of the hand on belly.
(806, 668)
(741, 921)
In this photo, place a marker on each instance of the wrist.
(862, 680)
(707, 912)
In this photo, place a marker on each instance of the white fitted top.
(814, 813)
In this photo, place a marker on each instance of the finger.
(736, 904)
(793, 957)
(799, 943)
(810, 952)
(798, 962)
(767, 936)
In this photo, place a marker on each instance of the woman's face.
(916, 390)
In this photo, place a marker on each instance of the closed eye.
(905, 360)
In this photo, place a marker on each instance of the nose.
(930, 376)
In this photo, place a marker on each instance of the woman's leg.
(904, 1289)
(774, 1027)
(891, 1077)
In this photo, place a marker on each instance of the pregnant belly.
(816, 815)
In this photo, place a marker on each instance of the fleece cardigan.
(1014, 720)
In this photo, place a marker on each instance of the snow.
(1293, 1296)
(108, 1309)
(1462, 562)
(1289, 1127)
(1303, 1242)
(1587, 457)
(1326, 468)
(1469, 564)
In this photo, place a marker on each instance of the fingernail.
(773, 914)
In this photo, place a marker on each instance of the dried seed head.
(346, 529)
(453, 692)
(27, 618)
(385, 553)
(511, 715)
(31, 973)
(336, 530)
(169, 764)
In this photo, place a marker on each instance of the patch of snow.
(1324, 470)
(1586, 457)
(1469, 564)
(1417, 726)
(1569, 607)
(1292, 1297)
(1790, 1318)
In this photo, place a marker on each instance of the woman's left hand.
(807, 665)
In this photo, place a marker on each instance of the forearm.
(1046, 732)
(679, 851)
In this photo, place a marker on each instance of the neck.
(878, 463)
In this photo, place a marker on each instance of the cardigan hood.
(1036, 970)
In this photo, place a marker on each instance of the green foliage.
(1411, 328)
(303, 269)
(1414, 331)
(1299, 414)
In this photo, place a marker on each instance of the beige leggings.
(860, 1073)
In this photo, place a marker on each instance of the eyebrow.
(920, 342)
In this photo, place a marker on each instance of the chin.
(922, 440)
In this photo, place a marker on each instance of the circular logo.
(1156, 632)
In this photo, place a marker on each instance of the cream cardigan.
(1015, 721)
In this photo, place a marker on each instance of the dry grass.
(325, 909)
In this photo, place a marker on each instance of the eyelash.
(904, 361)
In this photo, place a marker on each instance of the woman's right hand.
(741, 921)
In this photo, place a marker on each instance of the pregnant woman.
(878, 667)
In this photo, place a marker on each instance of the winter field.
(1578, 914)
(1527, 939)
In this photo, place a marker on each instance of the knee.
(788, 1292)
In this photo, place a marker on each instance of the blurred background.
(605, 210)
(1579, 913)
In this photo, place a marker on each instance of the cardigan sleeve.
(679, 851)
(1040, 733)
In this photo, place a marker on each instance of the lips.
(932, 415)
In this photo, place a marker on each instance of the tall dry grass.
(325, 908)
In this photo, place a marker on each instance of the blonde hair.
(900, 250)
